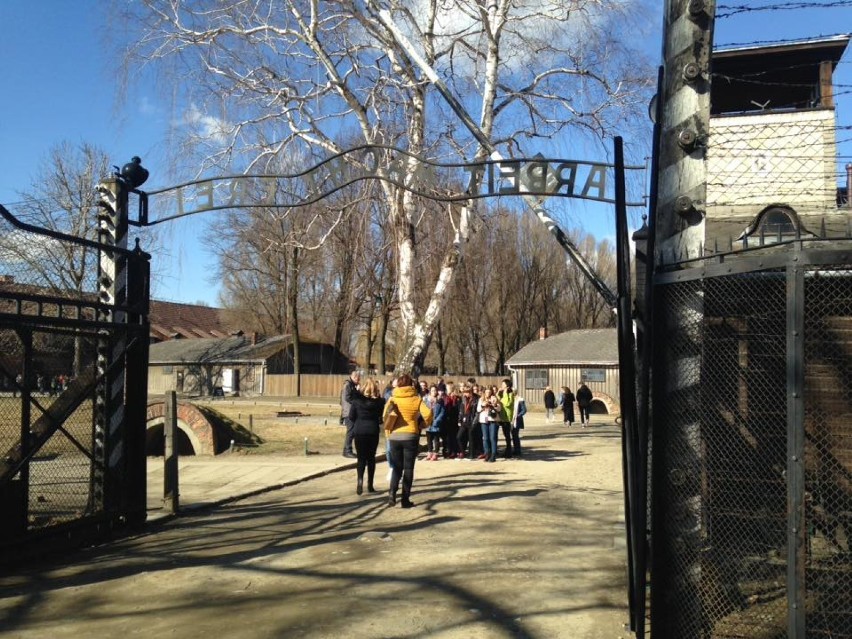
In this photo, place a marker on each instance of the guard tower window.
(777, 221)
(774, 224)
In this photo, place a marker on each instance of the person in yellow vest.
(507, 399)
(404, 436)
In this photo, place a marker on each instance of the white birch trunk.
(420, 335)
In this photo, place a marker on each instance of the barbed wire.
(726, 11)
(759, 43)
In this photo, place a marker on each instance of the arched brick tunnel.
(603, 404)
(195, 436)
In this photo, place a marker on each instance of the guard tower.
(771, 156)
(750, 347)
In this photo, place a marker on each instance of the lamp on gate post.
(133, 173)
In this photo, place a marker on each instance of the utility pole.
(684, 129)
(676, 228)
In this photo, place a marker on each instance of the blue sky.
(59, 83)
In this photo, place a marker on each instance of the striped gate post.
(109, 445)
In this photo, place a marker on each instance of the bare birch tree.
(272, 77)
(62, 198)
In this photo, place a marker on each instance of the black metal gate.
(73, 381)
(751, 445)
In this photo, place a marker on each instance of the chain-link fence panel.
(73, 377)
(60, 474)
(46, 424)
(719, 511)
(828, 452)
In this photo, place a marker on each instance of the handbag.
(391, 416)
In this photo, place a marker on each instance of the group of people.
(566, 403)
(44, 385)
(461, 422)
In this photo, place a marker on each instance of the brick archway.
(191, 421)
(603, 404)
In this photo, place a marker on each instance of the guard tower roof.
(781, 76)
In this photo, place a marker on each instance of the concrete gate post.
(109, 446)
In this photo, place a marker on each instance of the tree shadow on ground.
(251, 539)
(549, 455)
(324, 525)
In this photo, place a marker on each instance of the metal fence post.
(170, 456)
(796, 534)
(136, 396)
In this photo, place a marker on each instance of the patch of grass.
(239, 433)
(253, 424)
(266, 433)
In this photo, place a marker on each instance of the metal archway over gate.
(75, 453)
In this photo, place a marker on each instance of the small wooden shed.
(236, 364)
(566, 359)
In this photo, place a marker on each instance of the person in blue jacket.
(433, 433)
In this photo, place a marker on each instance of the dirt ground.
(521, 548)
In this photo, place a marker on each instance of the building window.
(536, 379)
(592, 375)
(773, 224)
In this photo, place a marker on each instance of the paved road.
(522, 548)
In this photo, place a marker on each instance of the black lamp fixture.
(133, 173)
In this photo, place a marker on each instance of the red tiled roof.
(159, 332)
(168, 320)
(190, 321)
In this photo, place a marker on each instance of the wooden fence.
(331, 385)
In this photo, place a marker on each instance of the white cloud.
(208, 127)
(148, 106)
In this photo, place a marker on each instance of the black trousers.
(451, 440)
(506, 427)
(366, 446)
(584, 414)
(464, 441)
(475, 444)
(404, 454)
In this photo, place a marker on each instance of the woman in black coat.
(549, 403)
(365, 413)
(566, 401)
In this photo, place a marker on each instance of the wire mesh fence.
(828, 451)
(730, 556)
(63, 346)
(39, 368)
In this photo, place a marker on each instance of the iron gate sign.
(537, 176)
